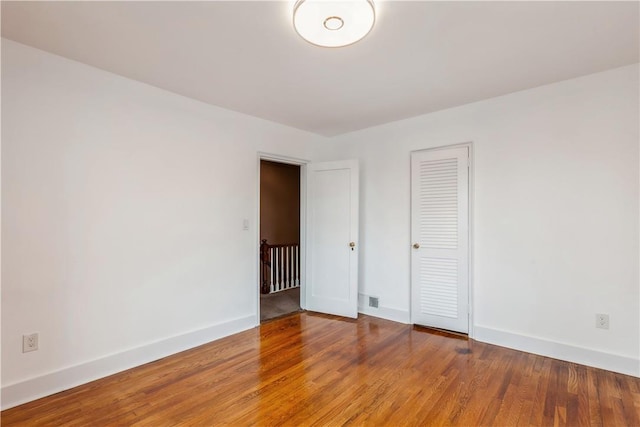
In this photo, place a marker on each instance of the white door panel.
(440, 237)
(332, 264)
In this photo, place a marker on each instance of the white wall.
(555, 214)
(122, 220)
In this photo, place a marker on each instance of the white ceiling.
(420, 57)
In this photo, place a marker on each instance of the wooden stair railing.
(279, 267)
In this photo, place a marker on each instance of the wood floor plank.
(310, 369)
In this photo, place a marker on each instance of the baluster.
(284, 268)
(272, 269)
(277, 286)
(279, 278)
(293, 266)
(277, 267)
(274, 265)
(290, 250)
(286, 250)
(292, 280)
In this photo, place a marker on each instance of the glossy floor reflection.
(309, 369)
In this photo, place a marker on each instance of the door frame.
(303, 224)
(469, 145)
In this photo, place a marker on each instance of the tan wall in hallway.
(279, 202)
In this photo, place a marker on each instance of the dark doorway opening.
(280, 253)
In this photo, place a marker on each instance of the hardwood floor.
(309, 369)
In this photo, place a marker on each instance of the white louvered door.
(440, 238)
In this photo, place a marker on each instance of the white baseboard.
(584, 356)
(54, 382)
(387, 313)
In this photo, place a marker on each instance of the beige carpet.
(279, 304)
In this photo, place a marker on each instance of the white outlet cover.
(602, 321)
(29, 342)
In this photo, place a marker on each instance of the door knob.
(352, 244)
(416, 245)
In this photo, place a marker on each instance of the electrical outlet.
(373, 302)
(602, 321)
(29, 343)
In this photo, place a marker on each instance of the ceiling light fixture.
(333, 23)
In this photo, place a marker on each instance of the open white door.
(332, 238)
(440, 237)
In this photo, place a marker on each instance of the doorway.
(280, 251)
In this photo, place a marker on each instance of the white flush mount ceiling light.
(333, 23)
